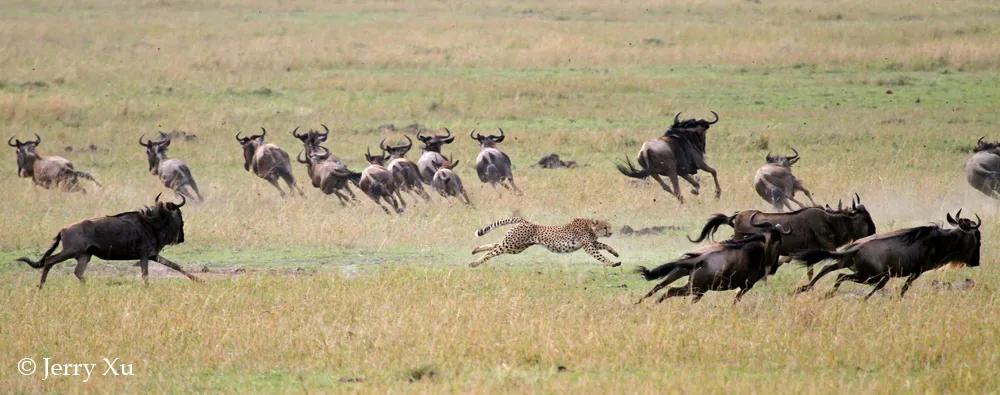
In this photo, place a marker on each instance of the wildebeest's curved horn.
(326, 152)
(950, 219)
(856, 196)
(716, 118)
(157, 200)
(147, 143)
(448, 131)
(979, 221)
(38, 139)
(980, 141)
(263, 132)
(421, 138)
(796, 154)
(501, 137)
(475, 135)
(409, 143)
(958, 215)
(183, 201)
(381, 144)
(326, 129)
(295, 133)
(238, 138)
(677, 118)
(840, 205)
(12, 139)
(299, 157)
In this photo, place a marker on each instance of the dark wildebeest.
(404, 170)
(131, 235)
(775, 183)
(174, 173)
(447, 182)
(329, 175)
(732, 264)
(267, 161)
(680, 152)
(379, 184)
(47, 171)
(903, 253)
(815, 228)
(431, 159)
(492, 165)
(983, 168)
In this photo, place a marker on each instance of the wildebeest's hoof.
(694, 192)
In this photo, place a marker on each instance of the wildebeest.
(982, 170)
(431, 159)
(130, 235)
(312, 138)
(492, 165)
(174, 173)
(379, 184)
(47, 171)
(732, 264)
(447, 182)
(404, 170)
(267, 161)
(680, 152)
(903, 253)
(329, 175)
(775, 183)
(815, 228)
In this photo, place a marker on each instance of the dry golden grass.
(383, 298)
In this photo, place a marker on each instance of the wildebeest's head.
(692, 124)
(250, 145)
(449, 162)
(376, 159)
(166, 220)
(783, 161)
(396, 151)
(434, 143)
(315, 155)
(861, 219)
(313, 137)
(156, 150)
(26, 153)
(488, 141)
(983, 145)
(969, 239)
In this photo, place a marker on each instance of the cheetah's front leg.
(602, 246)
(595, 252)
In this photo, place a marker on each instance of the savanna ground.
(881, 98)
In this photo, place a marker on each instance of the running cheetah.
(580, 233)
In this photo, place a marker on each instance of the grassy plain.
(883, 99)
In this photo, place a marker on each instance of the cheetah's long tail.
(502, 222)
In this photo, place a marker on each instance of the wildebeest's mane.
(912, 235)
(147, 213)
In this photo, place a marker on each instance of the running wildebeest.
(680, 152)
(379, 184)
(903, 253)
(267, 161)
(47, 171)
(447, 182)
(492, 165)
(329, 175)
(982, 170)
(431, 159)
(815, 228)
(775, 183)
(732, 264)
(404, 170)
(130, 235)
(174, 173)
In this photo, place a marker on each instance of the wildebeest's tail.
(83, 174)
(46, 255)
(502, 222)
(664, 269)
(354, 176)
(809, 258)
(713, 224)
(629, 170)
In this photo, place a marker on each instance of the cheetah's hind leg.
(485, 247)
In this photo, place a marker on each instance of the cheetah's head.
(600, 228)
